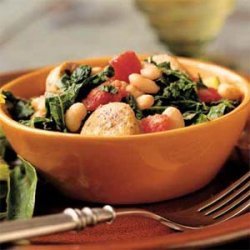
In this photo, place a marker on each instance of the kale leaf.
(207, 112)
(109, 89)
(57, 104)
(178, 90)
(221, 108)
(18, 182)
(94, 81)
(75, 87)
(131, 101)
(175, 86)
(40, 122)
(19, 109)
(200, 118)
(22, 190)
(170, 75)
(80, 74)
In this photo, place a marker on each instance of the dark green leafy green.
(22, 190)
(130, 100)
(109, 89)
(17, 184)
(208, 112)
(193, 117)
(78, 76)
(170, 75)
(94, 81)
(55, 110)
(75, 87)
(178, 90)
(200, 118)
(18, 108)
(221, 108)
(82, 76)
(57, 104)
(40, 122)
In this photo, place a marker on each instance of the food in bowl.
(128, 169)
(128, 96)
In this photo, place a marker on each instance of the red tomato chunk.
(208, 95)
(155, 123)
(98, 96)
(125, 64)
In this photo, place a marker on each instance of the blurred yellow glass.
(186, 26)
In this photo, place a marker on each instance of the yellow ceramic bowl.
(128, 169)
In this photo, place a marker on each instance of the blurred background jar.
(186, 26)
(50, 31)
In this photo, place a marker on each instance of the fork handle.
(70, 219)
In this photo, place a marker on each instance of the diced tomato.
(98, 96)
(208, 95)
(155, 123)
(125, 64)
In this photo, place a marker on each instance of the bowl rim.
(193, 62)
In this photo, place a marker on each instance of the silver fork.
(224, 206)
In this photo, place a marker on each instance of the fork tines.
(231, 201)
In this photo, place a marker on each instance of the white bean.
(143, 84)
(150, 71)
(175, 116)
(133, 91)
(74, 116)
(229, 91)
(145, 101)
